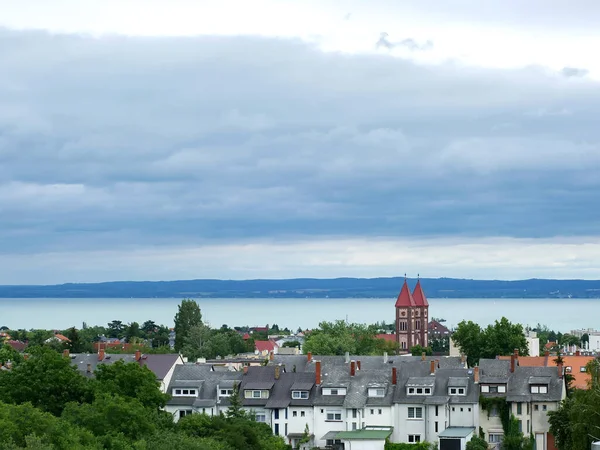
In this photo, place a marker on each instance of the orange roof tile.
(387, 337)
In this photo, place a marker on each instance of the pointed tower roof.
(419, 295)
(405, 299)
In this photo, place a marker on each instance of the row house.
(346, 400)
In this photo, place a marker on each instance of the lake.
(57, 313)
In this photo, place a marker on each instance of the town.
(348, 386)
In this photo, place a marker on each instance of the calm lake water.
(49, 313)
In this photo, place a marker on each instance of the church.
(412, 317)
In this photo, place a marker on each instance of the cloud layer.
(119, 143)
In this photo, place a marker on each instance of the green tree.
(76, 344)
(477, 443)
(585, 339)
(337, 338)
(115, 329)
(7, 353)
(417, 350)
(469, 337)
(46, 379)
(129, 380)
(235, 409)
(291, 344)
(133, 332)
(195, 341)
(187, 317)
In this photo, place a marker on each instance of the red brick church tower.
(412, 317)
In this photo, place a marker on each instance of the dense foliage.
(500, 338)
(46, 404)
(337, 338)
(576, 423)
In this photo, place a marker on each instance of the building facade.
(412, 318)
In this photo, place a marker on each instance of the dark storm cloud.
(112, 142)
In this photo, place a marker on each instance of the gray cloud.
(411, 44)
(574, 72)
(112, 142)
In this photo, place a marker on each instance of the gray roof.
(539, 380)
(160, 364)
(420, 381)
(458, 382)
(519, 389)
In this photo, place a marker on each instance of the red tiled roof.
(405, 299)
(62, 338)
(17, 345)
(246, 336)
(387, 337)
(419, 295)
(264, 346)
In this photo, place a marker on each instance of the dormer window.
(419, 391)
(493, 388)
(539, 389)
(185, 392)
(457, 391)
(256, 394)
(225, 392)
(299, 395)
(334, 391)
(376, 392)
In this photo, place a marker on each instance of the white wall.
(384, 419)
(464, 415)
(366, 444)
(533, 345)
(322, 426)
(594, 342)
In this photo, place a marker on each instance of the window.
(380, 392)
(411, 390)
(568, 369)
(372, 411)
(461, 409)
(520, 426)
(544, 407)
(502, 388)
(415, 412)
(184, 412)
(353, 425)
(300, 394)
(582, 369)
(302, 413)
(226, 392)
(494, 411)
(536, 407)
(380, 411)
(276, 414)
(453, 409)
(276, 431)
(461, 391)
(294, 413)
(414, 438)
(494, 438)
(334, 391)
(427, 390)
(402, 325)
(469, 409)
(334, 415)
(256, 394)
(493, 389)
(452, 391)
(185, 392)
(354, 413)
(419, 390)
(485, 388)
(539, 389)
(436, 427)
(519, 408)
(436, 410)
(260, 417)
(376, 392)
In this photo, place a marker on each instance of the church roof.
(419, 295)
(405, 299)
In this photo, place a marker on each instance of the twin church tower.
(412, 318)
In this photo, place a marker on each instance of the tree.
(115, 329)
(291, 344)
(417, 350)
(500, 338)
(75, 344)
(195, 341)
(129, 380)
(235, 409)
(477, 443)
(46, 380)
(149, 327)
(188, 316)
(7, 353)
(585, 339)
(132, 332)
(337, 338)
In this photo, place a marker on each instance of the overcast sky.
(154, 139)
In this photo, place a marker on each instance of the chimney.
(577, 353)
(138, 355)
(547, 353)
(277, 372)
(385, 357)
(309, 357)
(271, 356)
(512, 362)
(352, 368)
(66, 353)
(245, 370)
(560, 371)
(358, 364)
(317, 373)
(394, 375)
(101, 355)
(476, 374)
(347, 357)
(463, 358)
(89, 368)
(423, 356)
(432, 367)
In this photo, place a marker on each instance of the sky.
(180, 139)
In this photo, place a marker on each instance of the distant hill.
(311, 287)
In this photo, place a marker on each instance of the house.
(163, 366)
(529, 392)
(17, 345)
(437, 330)
(574, 365)
(264, 348)
(57, 338)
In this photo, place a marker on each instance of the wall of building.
(386, 418)
(322, 426)
(364, 444)
(464, 415)
(297, 424)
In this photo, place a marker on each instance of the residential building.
(436, 330)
